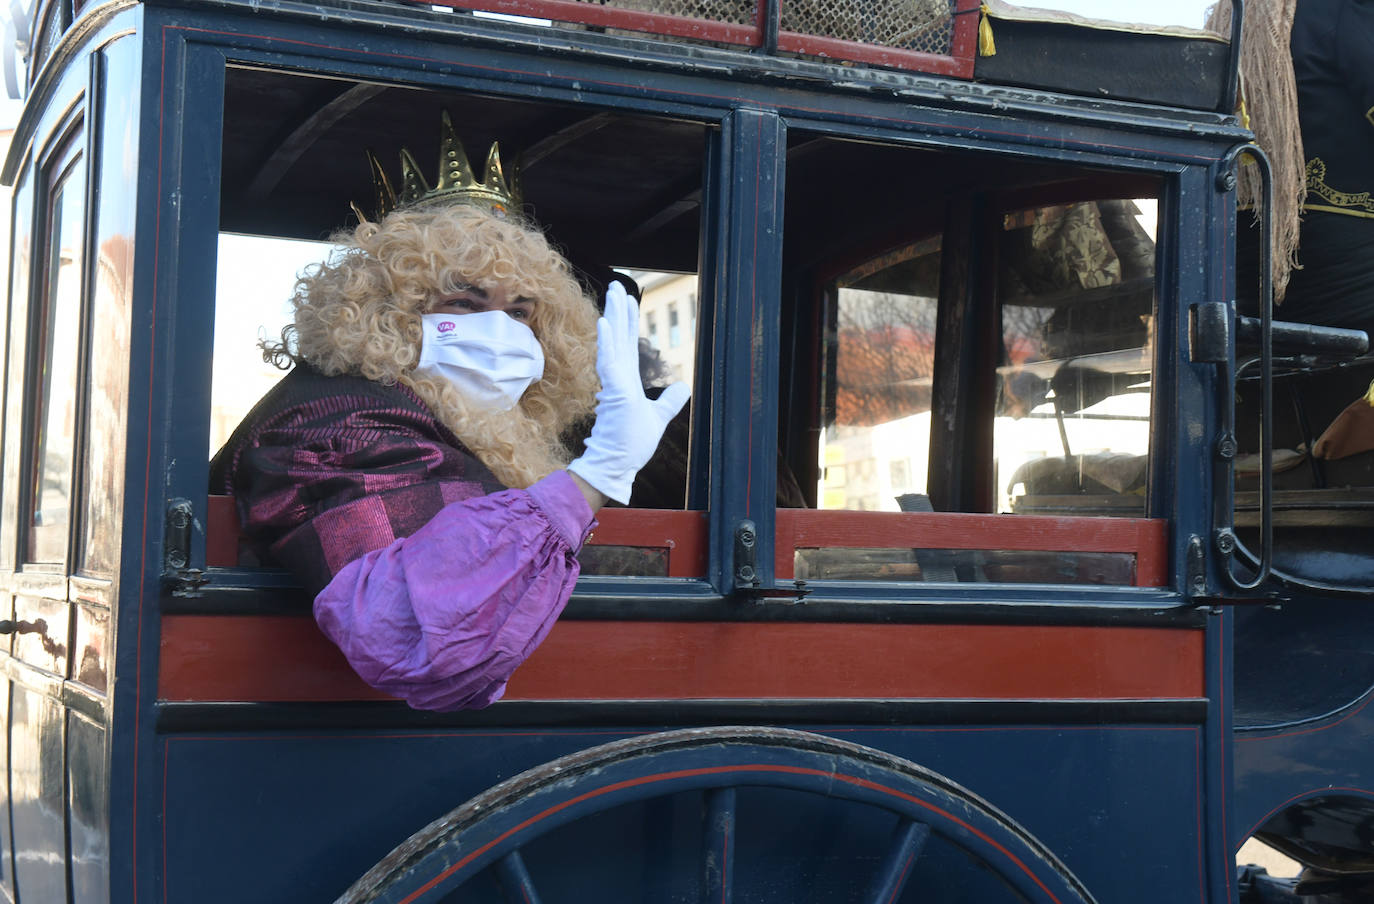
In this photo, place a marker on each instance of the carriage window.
(54, 357)
(614, 193)
(981, 372)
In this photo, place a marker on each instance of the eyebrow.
(485, 296)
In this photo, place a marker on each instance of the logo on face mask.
(489, 357)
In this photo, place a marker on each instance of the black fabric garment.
(1333, 61)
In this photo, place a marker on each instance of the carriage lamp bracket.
(176, 550)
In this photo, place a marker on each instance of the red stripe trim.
(211, 658)
(611, 17)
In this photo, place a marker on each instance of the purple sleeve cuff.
(564, 505)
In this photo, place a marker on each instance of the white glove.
(628, 424)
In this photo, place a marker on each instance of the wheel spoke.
(908, 839)
(516, 884)
(718, 854)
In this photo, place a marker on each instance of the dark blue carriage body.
(176, 731)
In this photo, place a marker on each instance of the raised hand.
(628, 425)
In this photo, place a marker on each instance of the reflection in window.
(57, 339)
(1076, 284)
(663, 297)
(1004, 566)
(880, 361)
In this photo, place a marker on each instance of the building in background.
(668, 318)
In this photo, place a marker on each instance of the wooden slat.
(681, 533)
(286, 658)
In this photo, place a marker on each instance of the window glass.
(12, 486)
(253, 287)
(1076, 284)
(103, 456)
(57, 334)
(670, 292)
(978, 353)
(880, 365)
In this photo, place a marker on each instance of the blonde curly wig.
(359, 313)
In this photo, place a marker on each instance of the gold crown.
(457, 183)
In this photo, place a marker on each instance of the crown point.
(456, 180)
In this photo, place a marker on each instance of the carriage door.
(65, 407)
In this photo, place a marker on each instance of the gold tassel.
(1244, 114)
(1369, 396)
(986, 46)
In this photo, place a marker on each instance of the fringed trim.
(1268, 106)
(986, 45)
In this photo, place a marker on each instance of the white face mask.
(491, 357)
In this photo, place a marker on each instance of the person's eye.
(519, 313)
(460, 304)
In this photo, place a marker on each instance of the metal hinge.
(746, 556)
(176, 550)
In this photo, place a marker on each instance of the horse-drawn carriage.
(958, 592)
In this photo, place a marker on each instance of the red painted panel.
(277, 658)
(266, 657)
(958, 63)
(682, 533)
(809, 529)
(221, 532)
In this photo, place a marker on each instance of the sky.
(1153, 12)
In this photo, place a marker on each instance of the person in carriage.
(1307, 71)
(415, 468)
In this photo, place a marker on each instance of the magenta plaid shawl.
(325, 469)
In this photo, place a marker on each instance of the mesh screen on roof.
(920, 25)
(735, 12)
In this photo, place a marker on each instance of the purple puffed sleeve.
(442, 618)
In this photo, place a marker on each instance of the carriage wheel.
(924, 816)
